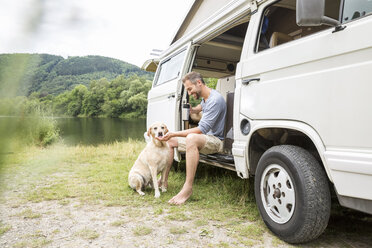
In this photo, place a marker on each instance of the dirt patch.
(52, 224)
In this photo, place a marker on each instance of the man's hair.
(193, 77)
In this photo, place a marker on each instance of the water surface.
(94, 131)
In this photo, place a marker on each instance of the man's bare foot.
(181, 197)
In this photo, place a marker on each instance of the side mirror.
(311, 13)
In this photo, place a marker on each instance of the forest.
(91, 86)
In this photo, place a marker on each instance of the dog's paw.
(157, 194)
(163, 190)
(141, 193)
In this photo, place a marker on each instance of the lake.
(90, 131)
(94, 131)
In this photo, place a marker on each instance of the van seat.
(225, 85)
(278, 38)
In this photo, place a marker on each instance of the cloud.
(127, 30)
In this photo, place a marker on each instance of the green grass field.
(88, 176)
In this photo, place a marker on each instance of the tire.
(292, 193)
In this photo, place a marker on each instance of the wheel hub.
(277, 193)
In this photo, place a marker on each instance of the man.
(205, 138)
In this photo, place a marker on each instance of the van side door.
(164, 96)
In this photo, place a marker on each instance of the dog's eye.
(155, 128)
(162, 127)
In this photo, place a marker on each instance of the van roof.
(199, 11)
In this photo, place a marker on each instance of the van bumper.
(239, 153)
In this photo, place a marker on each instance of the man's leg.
(163, 182)
(194, 142)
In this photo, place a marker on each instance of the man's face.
(193, 89)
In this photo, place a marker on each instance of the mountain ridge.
(53, 74)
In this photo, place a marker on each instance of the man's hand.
(165, 137)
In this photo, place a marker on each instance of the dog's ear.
(166, 129)
(149, 132)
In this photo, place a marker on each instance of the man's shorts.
(212, 144)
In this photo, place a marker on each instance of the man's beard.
(196, 95)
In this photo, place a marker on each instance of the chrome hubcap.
(277, 193)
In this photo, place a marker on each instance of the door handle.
(249, 80)
(171, 96)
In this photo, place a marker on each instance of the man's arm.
(196, 110)
(182, 133)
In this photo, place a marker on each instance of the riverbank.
(78, 196)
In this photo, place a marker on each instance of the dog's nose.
(160, 134)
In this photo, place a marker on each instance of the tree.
(92, 104)
(76, 98)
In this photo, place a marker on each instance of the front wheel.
(292, 193)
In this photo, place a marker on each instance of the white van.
(296, 79)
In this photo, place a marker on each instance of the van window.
(356, 8)
(170, 68)
(278, 23)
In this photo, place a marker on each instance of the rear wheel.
(292, 193)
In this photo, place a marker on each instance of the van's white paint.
(351, 172)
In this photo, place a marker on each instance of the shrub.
(45, 132)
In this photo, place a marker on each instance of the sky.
(121, 29)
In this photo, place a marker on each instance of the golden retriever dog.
(151, 161)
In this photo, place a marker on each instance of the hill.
(49, 74)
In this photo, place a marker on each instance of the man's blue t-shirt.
(214, 113)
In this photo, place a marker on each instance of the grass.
(117, 223)
(87, 233)
(178, 230)
(142, 230)
(4, 228)
(33, 243)
(33, 240)
(206, 233)
(29, 214)
(98, 175)
(200, 222)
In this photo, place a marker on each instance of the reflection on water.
(85, 131)
(94, 131)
